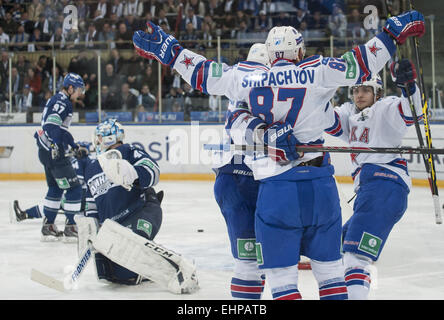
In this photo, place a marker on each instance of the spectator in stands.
(133, 65)
(44, 25)
(163, 19)
(116, 60)
(198, 7)
(124, 37)
(206, 35)
(101, 10)
(16, 12)
(133, 7)
(354, 26)
(146, 98)
(127, 100)
(25, 101)
(109, 99)
(17, 83)
(117, 8)
(34, 80)
(26, 23)
(249, 7)
(34, 10)
(49, 10)
(188, 36)
(58, 39)
(215, 9)
(8, 24)
(337, 22)
(72, 39)
(317, 22)
(91, 37)
(80, 64)
(83, 10)
(191, 17)
(171, 98)
(22, 65)
(243, 37)
(282, 19)
(107, 35)
(262, 22)
(36, 40)
(42, 103)
(59, 81)
(4, 38)
(134, 24)
(301, 15)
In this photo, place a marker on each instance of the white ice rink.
(411, 265)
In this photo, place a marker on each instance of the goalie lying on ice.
(124, 215)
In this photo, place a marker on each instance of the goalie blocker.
(146, 258)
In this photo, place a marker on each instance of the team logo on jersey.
(363, 116)
(187, 61)
(246, 248)
(216, 70)
(145, 226)
(370, 244)
(99, 184)
(374, 49)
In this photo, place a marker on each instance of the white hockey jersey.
(382, 125)
(298, 94)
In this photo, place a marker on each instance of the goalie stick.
(336, 149)
(70, 281)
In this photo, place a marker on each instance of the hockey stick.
(428, 158)
(69, 282)
(335, 149)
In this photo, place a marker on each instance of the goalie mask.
(107, 134)
(285, 43)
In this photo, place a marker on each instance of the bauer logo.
(370, 244)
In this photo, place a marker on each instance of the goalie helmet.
(258, 53)
(285, 43)
(107, 134)
(375, 82)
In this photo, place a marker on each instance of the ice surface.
(410, 267)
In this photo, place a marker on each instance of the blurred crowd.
(130, 83)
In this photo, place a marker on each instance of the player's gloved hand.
(119, 171)
(55, 152)
(408, 24)
(80, 151)
(156, 44)
(404, 74)
(281, 142)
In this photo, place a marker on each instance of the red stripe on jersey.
(309, 63)
(361, 64)
(199, 80)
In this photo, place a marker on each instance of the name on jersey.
(287, 77)
(99, 184)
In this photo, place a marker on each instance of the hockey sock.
(73, 203)
(247, 281)
(283, 283)
(247, 289)
(357, 277)
(51, 203)
(330, 278)
(35, 212)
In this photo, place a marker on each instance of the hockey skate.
(50, 232)
(70, 233)
(18, 214)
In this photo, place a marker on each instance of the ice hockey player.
(53, 140)
(123, 206)
(298, 210)
(235, 191)
(382, 182)
(78, 162)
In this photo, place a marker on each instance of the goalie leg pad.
(146, 258)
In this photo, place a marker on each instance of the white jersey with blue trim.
(383, 125)
(295, 93)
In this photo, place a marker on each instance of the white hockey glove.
(118, 170)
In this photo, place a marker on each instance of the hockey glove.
(156, 44)
(408, 24)
(281, 143)
(80, 152)
(404, 75)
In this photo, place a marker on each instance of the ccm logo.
(279, 133)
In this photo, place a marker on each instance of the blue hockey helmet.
(106, 134)
(73, 79)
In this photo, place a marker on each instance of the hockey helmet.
(107, 134)
(73, 79)
(258, 53)
(285, 43)
(375, 82)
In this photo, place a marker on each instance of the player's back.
(58, 111)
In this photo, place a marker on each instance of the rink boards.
(178, 149)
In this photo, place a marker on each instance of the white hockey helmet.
(285, 43)
(375, 82)
(258, 53)
(106, 134)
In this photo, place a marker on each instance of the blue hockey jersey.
(106, 200)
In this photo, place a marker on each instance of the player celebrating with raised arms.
(381, 181)
(53, 140)
(298, 210)
(122, 202)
